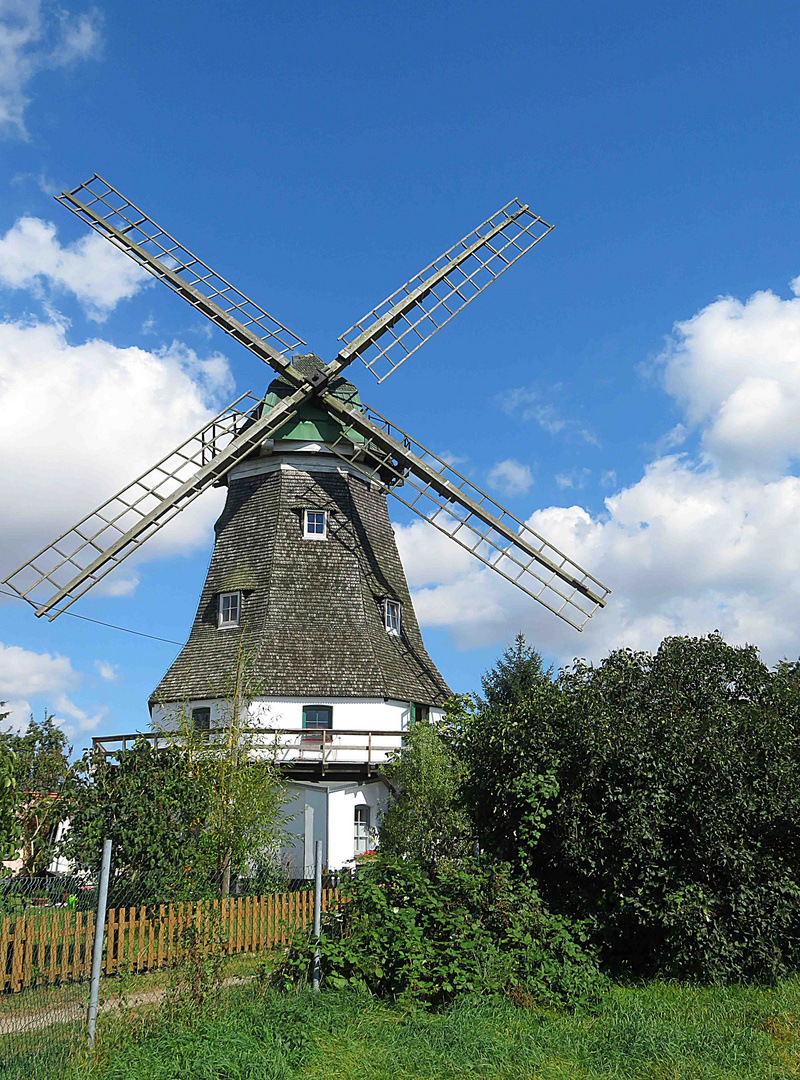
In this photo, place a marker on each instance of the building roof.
(312, 621)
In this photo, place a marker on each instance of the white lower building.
(337, 791)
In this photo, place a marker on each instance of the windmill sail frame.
(458, 508)
(128, 228)
(436, 294)
(410, 316)
(120, 525)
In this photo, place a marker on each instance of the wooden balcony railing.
(326, 747)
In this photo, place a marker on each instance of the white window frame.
(362, 821)
(222, 622)
(390, 609)
(315, 535)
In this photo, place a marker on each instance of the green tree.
(41, 770)
(9, 825)
(426, 820)
(676, 829)
(507, 788)
(517, 674)
(244, 791)
(150, 805)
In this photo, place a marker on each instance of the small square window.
(229, 609)
(391, 617)
(316, 719)
(361, 830)
(315, 524)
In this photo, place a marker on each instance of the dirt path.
(75, 1012)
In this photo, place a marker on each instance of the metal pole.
(97, 948)
(317, 912)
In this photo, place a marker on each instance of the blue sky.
(632, 386)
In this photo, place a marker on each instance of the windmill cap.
(307, 364)
(313, 422)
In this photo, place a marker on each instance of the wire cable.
(99, 622)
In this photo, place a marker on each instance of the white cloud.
(92, 269)
(18, 715)
(42, 181)
(735, 369)
(106, 670)
(65, 710)
(23, 673)
(31, 43)
(525, 402)
(510, 477)
(697, 543)
(78, 422)
(670, 440)
(430, 557)
(575, 478)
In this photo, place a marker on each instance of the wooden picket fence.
(54, 945)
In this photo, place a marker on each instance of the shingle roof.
(312, 621)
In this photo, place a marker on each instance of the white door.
(315, 827)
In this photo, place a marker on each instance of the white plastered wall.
(353, 714)
(326, 811)
(320, 810)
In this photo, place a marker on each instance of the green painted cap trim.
(313, 422)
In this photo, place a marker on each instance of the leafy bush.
(9, 827)
(408, 933)
(171, 828)
(150, 806)
(674, 822)
(425, 821)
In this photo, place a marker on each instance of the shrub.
(425, 821)
(676, 828)
(408, 933)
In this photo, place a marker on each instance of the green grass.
(654, 1032)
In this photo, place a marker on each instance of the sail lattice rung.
(396, 328)
(75, 551)
(98, 204)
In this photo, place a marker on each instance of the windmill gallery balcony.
(321, 752)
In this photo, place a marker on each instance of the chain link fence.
(46, 936)
(163, 942)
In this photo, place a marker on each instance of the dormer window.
(230, 607)
(391, 617)
(315, 524)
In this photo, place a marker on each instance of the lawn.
(655, 1032)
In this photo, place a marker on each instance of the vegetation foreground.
(659, 1031)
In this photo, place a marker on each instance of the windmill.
(334, 622)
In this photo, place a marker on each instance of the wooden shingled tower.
(313, 613)
(305, 570)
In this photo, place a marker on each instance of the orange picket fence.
(54, 945)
